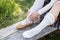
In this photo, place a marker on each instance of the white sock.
(47, 7)
(38, 4)
(25, 21)
(48, 19)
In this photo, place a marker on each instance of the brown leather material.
(19, 26)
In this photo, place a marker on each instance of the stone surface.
(11, 33)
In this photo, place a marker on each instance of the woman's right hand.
(33, 16)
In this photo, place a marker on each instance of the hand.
(34, 15)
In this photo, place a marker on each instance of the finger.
(33, 19)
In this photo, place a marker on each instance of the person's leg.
(41, 11)
(36, 6)
(47, 7)
(49, 19)
(56, 9)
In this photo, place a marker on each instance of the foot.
(27, 22)
(24, 23)
(28, 34)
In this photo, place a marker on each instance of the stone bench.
(11, 33)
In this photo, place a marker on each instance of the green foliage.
(12, 11)
(9, 9)
(25, 4)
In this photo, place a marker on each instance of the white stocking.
(47, 7)
(48, 19)
(38, 4)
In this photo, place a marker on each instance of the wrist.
(38, 13)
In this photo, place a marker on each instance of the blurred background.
(12, 11)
